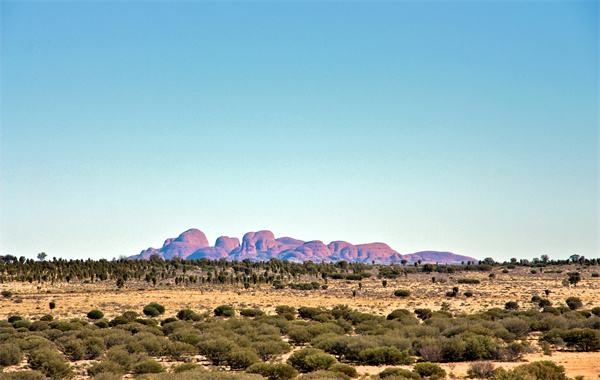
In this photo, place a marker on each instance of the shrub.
(540, 370)
(385, 355)
(101, 324)
(273, 371)
(311, 359)
(23, 375)
(14, 318)
(481, 370)
(73, 349)
(582, 339)
(251, 312)
(468, 281)
(430, 370)
(216, 350)
(402, 293)
(241, 359)
(344, 369)
(153, 309)
(468, 293)
(47, 318)
(7, 293)
(431, 353)
(39, 326)
(188, 315)
(596, 310)
(479, 347)
(22, 323)
(398, 373)
(50, 363)
(574, 303)
(130, 314)
(511, 305)
(224, 311)
(10, 354)
(148, 366)
(423, 314)
(95, 314)
(285, 309)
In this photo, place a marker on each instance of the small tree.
(574, 303)
(42, 256)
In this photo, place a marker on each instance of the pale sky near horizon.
(469, 127)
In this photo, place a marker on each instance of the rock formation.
(263, 246)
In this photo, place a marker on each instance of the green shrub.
(216, 350)
(10, 354)
(385, 356)
(285, 309)
(511, 305)
(148, 366)
(153, 309)
(323, 375)
(101, 324)
(95, 314)
(540, 370)
(574, 303)
(23, 375)
(130, 314)
(582, 339)
(50, 363)
(185, 367)
(224, 311)
(344, 369)
(596, 310)
(468, 281)
(273, 371)
(241, 359)
(188, 315)
(251, 312)
(430, 370)
(468, 293)
(423, 314)
(311, 359)
(7, 293)
(402, 293)
(394, 372)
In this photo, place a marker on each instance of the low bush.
(188, 315)
(402, 293)
(10, 354)
(385, 356)
(429, 371)
(468, 281)
(153, 309)
(398, 373)
(241, 359)
(481, 370)
(251, 312)
(273, 371)
(50, 363)
(311, 359)
(344, 369)
(285, 309)
(574, 303)
(95, 314)
(540, 370)
(23, 375)
(148, 366)
(224, 311)
(468, 294)
(511, 305)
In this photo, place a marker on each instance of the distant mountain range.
(263, 246)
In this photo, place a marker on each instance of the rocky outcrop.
(182, 246)
(263, 246)
(227, 243)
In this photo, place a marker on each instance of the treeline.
(179, 271)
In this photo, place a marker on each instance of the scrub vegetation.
(283, 341)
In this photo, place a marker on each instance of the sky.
(469, 127)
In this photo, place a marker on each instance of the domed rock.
(227, 243)
(211, 253)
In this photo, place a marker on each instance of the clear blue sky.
(470, 127)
